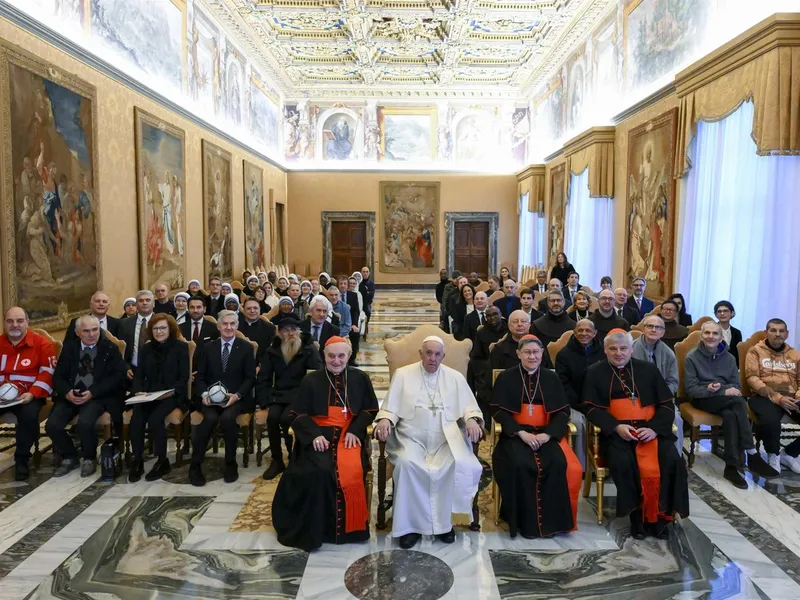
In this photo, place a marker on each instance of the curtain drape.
(531, 236)
(739, 225)
(589, 226)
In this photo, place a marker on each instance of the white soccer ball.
(217, 394)
(8, 392)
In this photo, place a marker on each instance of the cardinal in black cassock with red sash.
(321, 497)
(537, 472)
(630, 402)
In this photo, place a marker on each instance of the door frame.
(329, 217)
(450, 220)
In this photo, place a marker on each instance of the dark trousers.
(768, 416)
(150, 415)
(27, 427)
(278, 422)
(735, 424)
(355, 337)
(64, 411)
(226, 417)
(368, 312)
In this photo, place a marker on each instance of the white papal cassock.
(435, 471)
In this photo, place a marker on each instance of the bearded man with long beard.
(283, 366)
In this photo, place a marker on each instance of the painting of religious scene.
(406, 133)
(577, 82)
(661, 36)
(651, 203)
(409, 226)
(338, 133)
(217, 208)
(264, 116)
(558, 211)
(161, 184)
(50, 202)
(520, 131)
(474, 139)
(253, 216)
(148, 33)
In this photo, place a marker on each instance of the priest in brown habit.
(630, 402)
(537, 472)
(321, 497)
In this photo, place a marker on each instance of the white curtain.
(739, 227)
(589, 235)
(531, 236)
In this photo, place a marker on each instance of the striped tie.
(225, 355)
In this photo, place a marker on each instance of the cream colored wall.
(117, 181)
(310, 193)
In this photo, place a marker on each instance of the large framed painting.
(408, 134)
(217, 211)
(277, 212)
(650, 243)
(409, 226)
(160, 182)
(253, 216)
(558, 211)
(50, 228)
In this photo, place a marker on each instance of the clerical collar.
(249, 322)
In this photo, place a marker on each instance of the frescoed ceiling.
(410, 48)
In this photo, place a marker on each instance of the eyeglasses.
(655, 327)
(161, 329)
(722, 311)
(531, 353)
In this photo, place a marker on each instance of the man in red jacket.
(27, 361)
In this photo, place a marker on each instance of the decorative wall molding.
(451, 218)
(329, 216)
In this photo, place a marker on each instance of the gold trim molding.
(593, 149)
(531, 180)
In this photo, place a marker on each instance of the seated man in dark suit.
(285, 363)
(255, 328)
(87, 382)
(540, 286)
(573, 287)
(638, 302)
(604, 318)
(196, 328)
(98, 307)
(317, 326)
(215, 301)
(477, 317)
(622, 309)
(229, 361)
(555, 284)
(479, 371)
(526, 301)
(163, 304)
(133, 330)
(510, 302)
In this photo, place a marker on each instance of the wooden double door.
(348, 247)
(471, 247)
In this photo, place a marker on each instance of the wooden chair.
(404, 351)
(482, 287)
(636, 334)
(693, 417)
(597, 463)
(699, 323)
(495, 296)
(553, 348)
(588, 290)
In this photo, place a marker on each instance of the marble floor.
(74, 538)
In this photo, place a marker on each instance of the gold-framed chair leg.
(694, 434)
(600, 486)
(587, 478)
(381, 524)
(496, 502)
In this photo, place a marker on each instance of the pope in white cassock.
(428, 419)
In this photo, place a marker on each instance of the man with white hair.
(509, 303)
(317, 325)
(629, 401)
(322, 497)
(428, 419)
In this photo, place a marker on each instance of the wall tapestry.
(217, 210)
(253, 216)
(409, 226)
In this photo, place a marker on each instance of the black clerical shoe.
(447, 538)
(159, 469)
(137, 470)
(408, 540)
(231, 472)
(732, 475)
(21, 470)
(196, 477)
(637, 527)
(276, 467)
(759, 466)
(67, 465)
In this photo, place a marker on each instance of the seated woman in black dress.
(163, 365)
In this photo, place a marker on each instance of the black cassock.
(312, 503)
(539, 489)
(640, 393)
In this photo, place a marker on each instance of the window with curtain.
(531, 235)
(739, 227)
(588, 235)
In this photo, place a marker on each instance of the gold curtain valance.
(531, 181)
(593, 149)
(762, 65)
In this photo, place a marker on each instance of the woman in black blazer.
(562, 269)
(163, 365)
(463, 308)
(724, 312)
(684, 318)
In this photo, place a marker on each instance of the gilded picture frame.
(51, 234)
(650, 204)
(409, 226)
(217, 211)
(160, 152)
